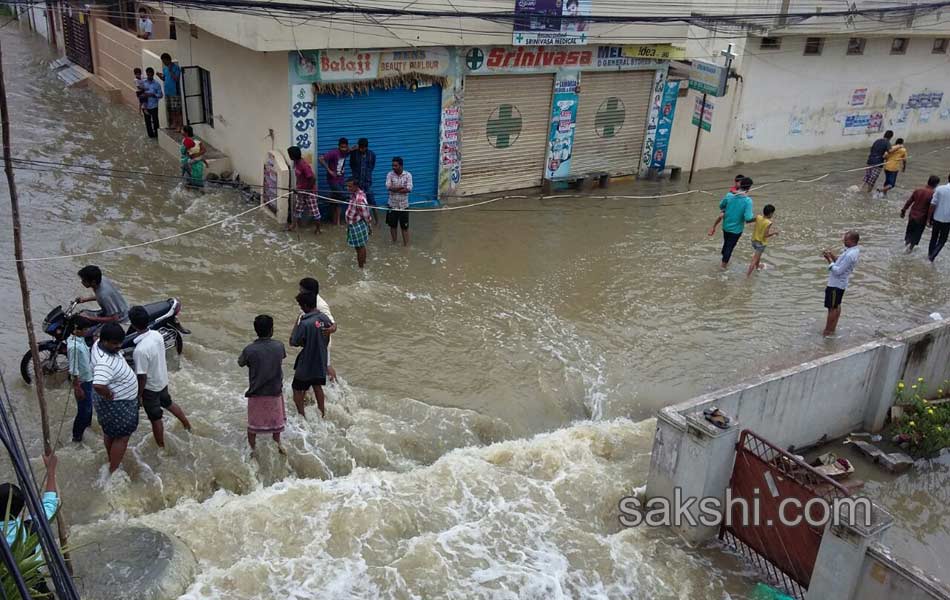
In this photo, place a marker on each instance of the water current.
(497, 379)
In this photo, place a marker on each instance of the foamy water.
(532, 518)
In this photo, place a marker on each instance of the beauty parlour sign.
(360, 65)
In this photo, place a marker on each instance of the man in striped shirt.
(116, 393)
(399, 184)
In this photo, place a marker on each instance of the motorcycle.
(59, 324)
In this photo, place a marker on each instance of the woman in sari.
(192, 159)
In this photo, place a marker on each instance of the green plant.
(925, 425)
(28, 557)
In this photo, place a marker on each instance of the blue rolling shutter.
(397, 122)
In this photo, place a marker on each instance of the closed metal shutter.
(611, 121)
(397, 122)
(505, 127)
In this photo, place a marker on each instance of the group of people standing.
(354, 192)
(105, 382)
(151, 88)
(736, 211)
(102, 378)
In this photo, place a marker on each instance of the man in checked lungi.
(876, 160)
(305, 191)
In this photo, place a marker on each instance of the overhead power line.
(266, 8)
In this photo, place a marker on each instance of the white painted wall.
(250, 97)
(788, 104)
(785, 91)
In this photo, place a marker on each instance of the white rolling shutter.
(505, 129)
(611, 121)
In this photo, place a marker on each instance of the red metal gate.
(764, 475)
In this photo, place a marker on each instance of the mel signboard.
(707, 78)
(550, 22)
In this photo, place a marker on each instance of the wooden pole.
(38, 382)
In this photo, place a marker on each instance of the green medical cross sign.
(504, 126)
(474, 59)
(610, 117)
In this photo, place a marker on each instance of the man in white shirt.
(939, 220)
(399, 184)
(152, 372)
(116, 393)
(840, 269)
(145, 26)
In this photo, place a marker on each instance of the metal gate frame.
(76, 36)
(766, 474)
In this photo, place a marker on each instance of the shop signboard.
(708, 78)
(551, 22)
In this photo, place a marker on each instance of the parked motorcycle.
(59, 323)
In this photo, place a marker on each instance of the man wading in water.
(310, 367)
(735, 211)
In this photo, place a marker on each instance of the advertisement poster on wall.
(551, 22)
(859, 97)
(563, 123)
(665, 127)
(860, 123)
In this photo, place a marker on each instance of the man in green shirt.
(735, 210)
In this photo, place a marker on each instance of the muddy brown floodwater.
(498, 378)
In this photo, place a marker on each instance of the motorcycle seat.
(157, 309)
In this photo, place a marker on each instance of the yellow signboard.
(657, 51)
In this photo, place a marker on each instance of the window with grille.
(814, 46)
(770, 43)
(940, 46)
(856, 46)
(899, 45)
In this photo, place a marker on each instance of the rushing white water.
(532, 518)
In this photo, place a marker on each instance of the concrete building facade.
(473, 112)
(820, 86)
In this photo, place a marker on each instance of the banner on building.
(551, 22)
(864, 122)
(563, 122)
(508, 59)
(925, 100)
(707, 114)
(657, 51)
(664, 129)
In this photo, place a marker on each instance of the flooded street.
(497, 379)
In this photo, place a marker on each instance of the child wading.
(265, 400)
(761, 233)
